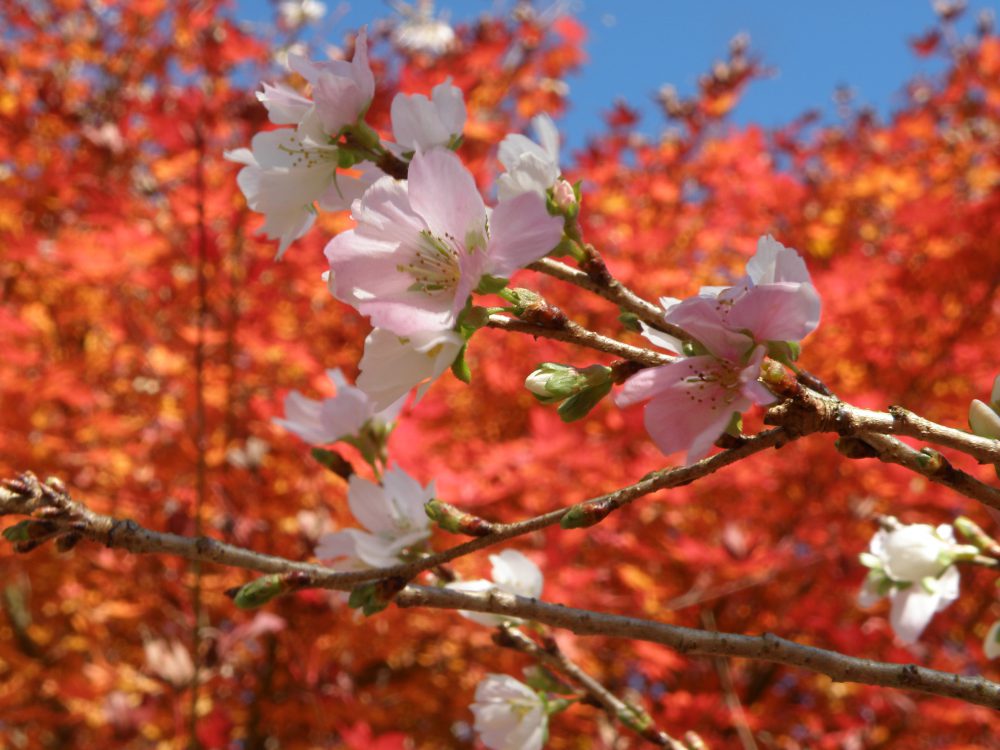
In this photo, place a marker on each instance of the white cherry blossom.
(530, 167)
(509, 714)
(393, 514)
(419, 123)
(913, 566)
(513, 573)
(393, 365)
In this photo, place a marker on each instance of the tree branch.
(50, 504)
(692, 642)
(805, 411)
(54, 513)
(572, 333)
(613, 291)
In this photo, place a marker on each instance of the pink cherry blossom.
(329, 420)
(420, 248)
(774, 301)
(342, 90)
(692, 400)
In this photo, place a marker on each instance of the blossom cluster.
(696, 398)
(423, 246)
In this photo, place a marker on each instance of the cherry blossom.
(319, 422)
(288, 170)
(295, 13)
(393, 365)
(419, 123)
(342, 90)
(693, 400)
(530, 167)
(913, 566)
(420, 31)
(393, 515)
(774, 301)
(512, 573)
(509, 714)
(421, 248)
(170, 661)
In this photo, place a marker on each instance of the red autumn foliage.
(149, 338)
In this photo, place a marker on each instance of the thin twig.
(615, 292)
(733, 701)
(551, 656)
(27, 496)
(575, 334)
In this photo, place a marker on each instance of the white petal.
(912, 609)
(991, 645)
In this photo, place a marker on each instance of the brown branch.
(613, 291)
(869, 435)
(692, 642)
(572, 333)
(51, 504)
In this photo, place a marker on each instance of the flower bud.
(565, 199)
(552, 382)
(991, 645)
(260, 592)
(450, 518)
(983, 420)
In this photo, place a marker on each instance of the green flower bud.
(260, 592)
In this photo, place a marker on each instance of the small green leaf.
(491, 284)
(460, 368)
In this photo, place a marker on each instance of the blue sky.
(635, 46)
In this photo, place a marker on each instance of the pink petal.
(521, 232)
(777, 312)
(443, 192)
(702, 318)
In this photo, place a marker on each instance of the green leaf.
(491, 284)
(578, 406)
(460, 368)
